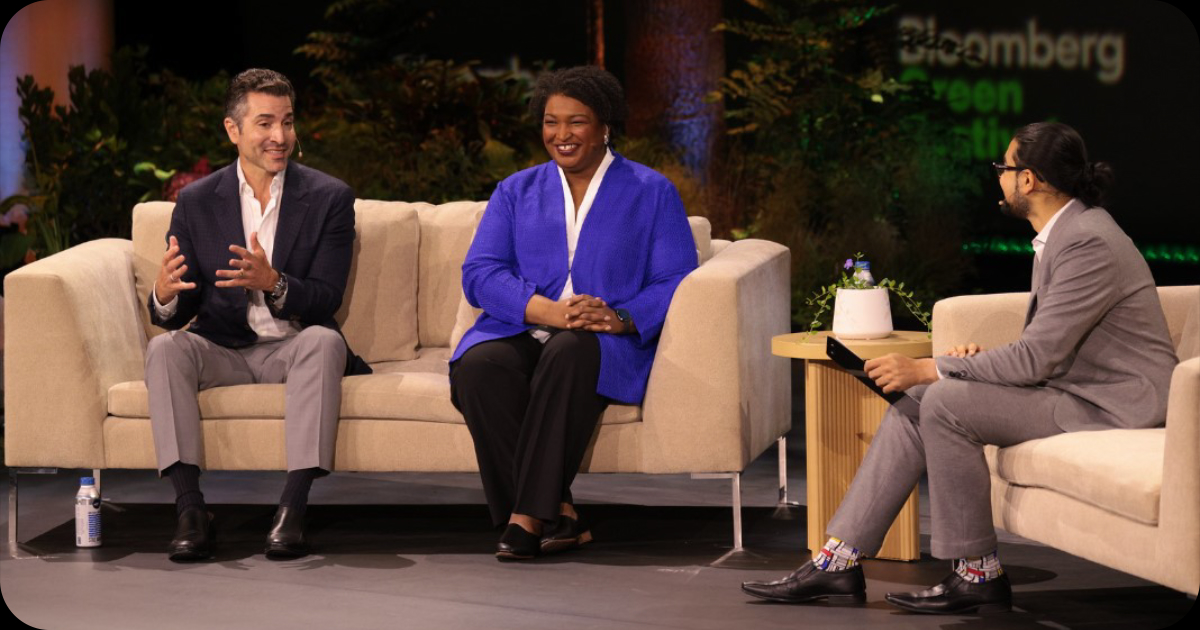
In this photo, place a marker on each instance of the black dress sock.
(295, 491)
(186, 480)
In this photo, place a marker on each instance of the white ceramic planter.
(862, 314)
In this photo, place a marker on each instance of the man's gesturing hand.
(169, 282)
(251, 270)
(897, 373)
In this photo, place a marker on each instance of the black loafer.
(286, 538)
(810, 584)
(569, 533)
(193, 537)
(517, 544)
(956, 596)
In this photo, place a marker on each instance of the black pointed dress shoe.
(286, 538)
(956, 596)
(193, 536)
(810, 584)
(569, 533)
(517, 544)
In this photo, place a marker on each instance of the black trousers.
(531, 409)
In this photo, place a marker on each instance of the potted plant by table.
(861, 309)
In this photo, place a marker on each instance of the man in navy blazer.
(257, 259)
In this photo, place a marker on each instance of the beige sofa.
(1126, 499)
(76, 333)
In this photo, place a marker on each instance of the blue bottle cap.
(87, 481)
(862, 264)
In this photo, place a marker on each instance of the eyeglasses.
(1000, 168)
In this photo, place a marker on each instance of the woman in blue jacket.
(574, 264)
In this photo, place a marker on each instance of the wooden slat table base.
(842, 416)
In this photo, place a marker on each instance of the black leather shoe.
(569, 533)
(286, 538)
(193, 537)
(810, 584)
(956, 596)
(517, 544)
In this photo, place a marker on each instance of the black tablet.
(853, 364)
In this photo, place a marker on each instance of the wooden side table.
(841, 418)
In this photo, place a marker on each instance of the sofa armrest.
(1179, 512)
(988, 320)
(717, 397)
(71, 331)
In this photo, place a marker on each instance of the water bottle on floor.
(87, 514)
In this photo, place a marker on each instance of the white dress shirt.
(254, 219)
(1043, 237)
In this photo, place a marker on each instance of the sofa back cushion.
(378, 313)
(446, 232)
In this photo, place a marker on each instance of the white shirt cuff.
(166, 311)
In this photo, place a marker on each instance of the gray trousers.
(945, 439)
(180, 364)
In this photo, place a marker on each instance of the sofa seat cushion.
(398, 390)
(1119, 470)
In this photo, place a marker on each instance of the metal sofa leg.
(783, 483)
(12, 511)
(737, 502)
(14, 539)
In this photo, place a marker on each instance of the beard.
(1018, 209)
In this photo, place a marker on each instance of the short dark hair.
(1056, 154)
(591, 85)
(254, 80)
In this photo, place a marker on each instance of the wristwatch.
(278, 290)
(624, 317)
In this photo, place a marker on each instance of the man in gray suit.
(1094, 354)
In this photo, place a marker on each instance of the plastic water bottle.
(862, 271)
(87, 514)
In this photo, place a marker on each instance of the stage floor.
(415, 551)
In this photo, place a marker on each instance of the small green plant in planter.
(823, 298)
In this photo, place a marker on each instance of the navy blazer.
(634, 248)
(314, 242)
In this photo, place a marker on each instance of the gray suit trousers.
(180, 364)
(945, 439)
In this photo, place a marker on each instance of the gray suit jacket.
(1095, 329)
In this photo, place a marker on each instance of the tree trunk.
(673, 60)
(595, 18)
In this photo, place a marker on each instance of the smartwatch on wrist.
(625, 318)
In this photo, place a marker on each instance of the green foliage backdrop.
(832, 155)
(827, 152)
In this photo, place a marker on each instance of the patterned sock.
(979, 569)
(836, 556)
(185, 478)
